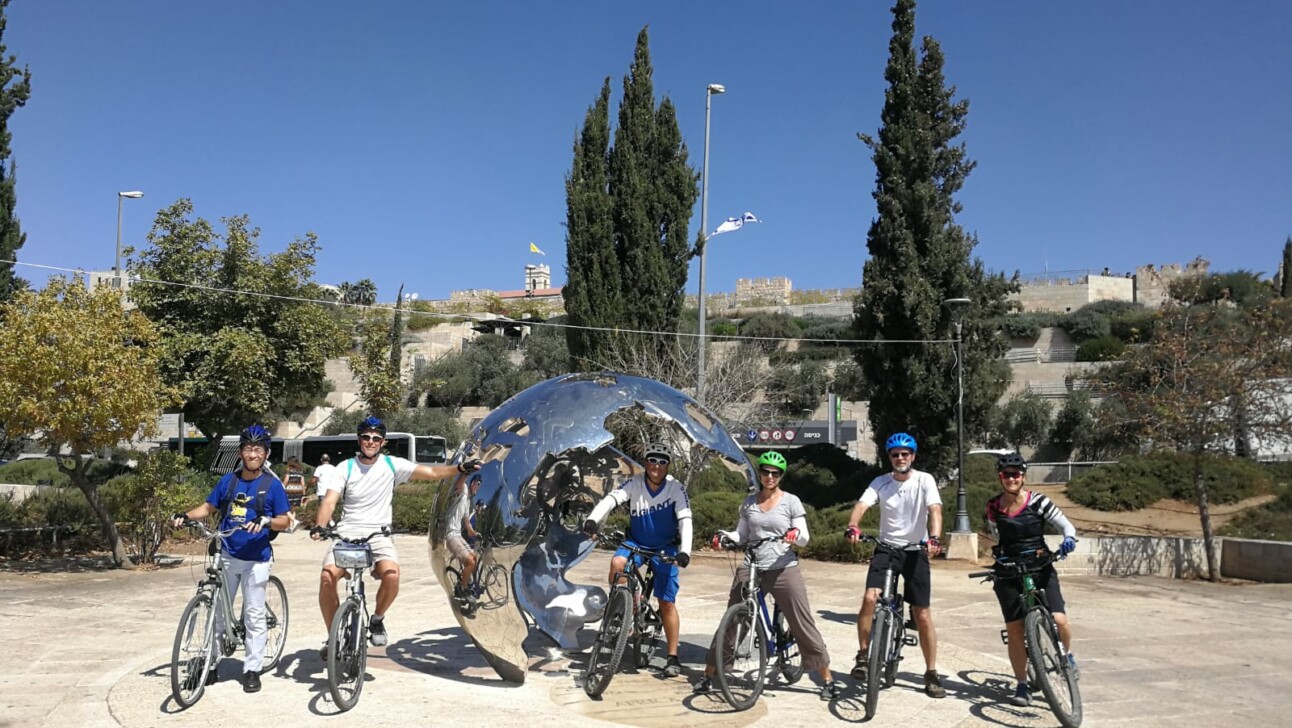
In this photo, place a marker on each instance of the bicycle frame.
(753, 594)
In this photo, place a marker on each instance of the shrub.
(63, 507)
(717, 478)
(1271, 522)
(412, 507)
(1027, 325)
(422, 321)
(712, 511)
(722, 328)
(1138, 481)
(1085, 324)
(36, 471)
(1104, 348)
(144, 501)
(1133, 327)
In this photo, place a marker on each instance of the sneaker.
(323, 651)
(672, 668)
(859, 669)
(251, 682)
(377, 632)
(703, 686)
(1021, 696)
(212, 675)
(933, 685)
(831, 690)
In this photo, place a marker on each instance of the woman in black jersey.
(1016, 519)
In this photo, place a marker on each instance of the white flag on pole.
(734, 223)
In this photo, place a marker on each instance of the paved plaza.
(92, 647)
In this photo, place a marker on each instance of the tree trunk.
(106, 524)
(1204, 512)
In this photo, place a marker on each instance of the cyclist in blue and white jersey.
(659, 519)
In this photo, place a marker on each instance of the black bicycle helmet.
(1011, 460)
(372, 424)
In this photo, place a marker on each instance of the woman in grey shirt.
(773, 512)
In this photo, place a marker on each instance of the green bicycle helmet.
(774, 459)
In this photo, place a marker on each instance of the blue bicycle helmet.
(372, 424)
(254, 435)
(900, 439)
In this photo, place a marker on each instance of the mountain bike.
(888, 626)
(630, 616)
(347, 642)
(748, 634)
(208, 628)
(489, 581)
(1048, 663)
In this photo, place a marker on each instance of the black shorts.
(917, 584)
(1008, 591)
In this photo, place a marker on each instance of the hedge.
(1270, 522)
(1138, 481)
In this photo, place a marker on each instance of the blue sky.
(427, 143)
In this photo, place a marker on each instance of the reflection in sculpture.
(547, 459)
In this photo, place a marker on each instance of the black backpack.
(262, 493)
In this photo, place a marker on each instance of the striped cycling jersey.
(1023, 530)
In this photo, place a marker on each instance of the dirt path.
(1163, 518)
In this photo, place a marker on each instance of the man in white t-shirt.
(323, 475)
(366, 485)
(910, 512)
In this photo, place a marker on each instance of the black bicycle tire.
(788, 656)
(1044, 652)
(274, 645)
(877, 657)
(453, 578)
(349, 610)
(200, 601)
(613, 632)
(739, 614)
(497, 586)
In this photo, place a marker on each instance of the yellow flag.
(534, 249)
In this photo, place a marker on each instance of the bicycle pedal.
(910, 640)
(1004, 636)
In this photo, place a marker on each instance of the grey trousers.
(787, 588)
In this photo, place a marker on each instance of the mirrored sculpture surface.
(548, 458)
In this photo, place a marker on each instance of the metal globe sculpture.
(548, 458)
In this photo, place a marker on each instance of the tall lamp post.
(709, 92)
(116, 270)
(958, 306)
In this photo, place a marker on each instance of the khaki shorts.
(383, 549)
(458, 546)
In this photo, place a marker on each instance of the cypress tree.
(919, 257)
(591, 291)
(1285, 273)
(15, 89)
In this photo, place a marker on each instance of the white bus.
(421, 449)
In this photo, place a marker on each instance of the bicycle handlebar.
(881, 546)
(619, 540)
(331, 533)
(206, 532)
(1019, 565)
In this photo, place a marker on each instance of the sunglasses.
(657, 461)
(253, 450)
(770, 473)
(1011, 474)
(371, 438)
(900, 454)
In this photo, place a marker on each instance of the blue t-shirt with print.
(241, 498)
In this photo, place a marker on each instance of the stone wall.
(1152, 285)
(1064, 295)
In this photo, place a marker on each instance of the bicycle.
(1048, 663)
(347, 642)
(887, 627)
(199, 644)
(742, 645)
(488, 580)
(628, 610)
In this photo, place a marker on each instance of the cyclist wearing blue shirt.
(248, 553)
(659, 519)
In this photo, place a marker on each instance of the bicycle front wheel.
(347, 654)
(193, 655)
(496, 586)
(788, 657)
(275, 622)
(608, 649)
(740, 652)
(1050, 665)
(881, 633)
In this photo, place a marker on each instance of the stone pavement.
(92, 647)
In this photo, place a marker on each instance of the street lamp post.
(116, 269)
(958, 306)
(709, 92)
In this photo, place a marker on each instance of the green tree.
(78, 372)
(376, 364)
(650, 190)
(480, 374)
(15, 89)
(237, 339)
(162, 485)
(1025, 420)
(591, 292)
(1209, 372)
(919, 257)
(1240, 287)
(546, 352)
(1285, 270)
(796, 389)
(362, 292)
(766, 327)
(1073, 424)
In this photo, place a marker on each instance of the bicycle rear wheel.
(881, 633)
(347, 655)
(788, 657)
(612, 638)
(496, 585)
(1051, 667)
(276, 614)
(192, 657)
(740, 652)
